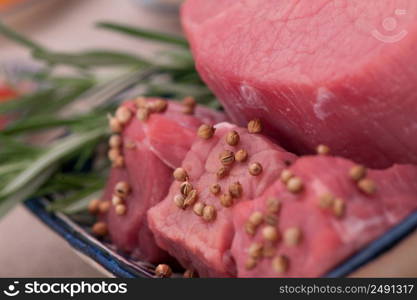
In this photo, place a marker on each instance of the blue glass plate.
(120, 266)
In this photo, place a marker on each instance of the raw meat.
(204, 245)
(151, 149)
(325, 238)
(340, 73)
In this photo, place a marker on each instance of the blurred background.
(29, 248)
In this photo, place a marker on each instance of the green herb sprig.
(28, 168)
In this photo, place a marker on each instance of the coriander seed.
(323, 150)
(222, 172)
(123, 115)
(357, 172)
(116, 200)
(118, 162)
(185, 188)
(100, 229)
(189, 105)
(292, 236)
(179, 201)
(180, 174)
(236, 190)
(122, 189)
(104, 207)
(270, 233)
(159, 106)
(295, 185)
(215, 189)
(250, 263)
(255, 169)
(280, 264)
(232, 138)
(209, 213)
(256, 218)
(286, 175)
(191, 198)
(271, 219)
(189, 274)
(163, 271)
(250, 228)
(227, 158)
(205, 131)
(141, 102)
(115, 125)
(93, 206)
(143, 114)
(115, 141)
(226, 200)
(120, 209)
(273, 205)
(255, 250)
(339, 207)
(326, 201)
(241, 155)
(255, 126)
(198, 208)
(367, 186)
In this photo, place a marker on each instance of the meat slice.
(144, 155)
(313, 228)
(198, 231)
(340, 73)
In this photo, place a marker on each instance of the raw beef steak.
(152, 137)
(341, 73)
(194, 222)
(328, 210)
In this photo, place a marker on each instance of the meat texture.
(340, 73)
(150, 148)
(201, 239)
(307, 232)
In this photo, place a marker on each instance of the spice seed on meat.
(292, 236)
(295, 185)
(280, 264)
(179, 201)
(357, 172)
(206, 131)
(227, 158)
(232, 138)
(163, 271)
(367, 186)
(323, 150)
(241, 155)
(198, 208)
(236, 190)
(255, 126)
(255, 169)
(180, 174)
(104, 207)
(123, 115)
(226, 200)
(215, 189)
(185, 188)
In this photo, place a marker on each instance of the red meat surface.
(204, 245)
(340, 73)
(151, 149)
(326, 240)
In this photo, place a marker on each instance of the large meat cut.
(341, 73)
(152, 136)
(339, 209)
(220, 179)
